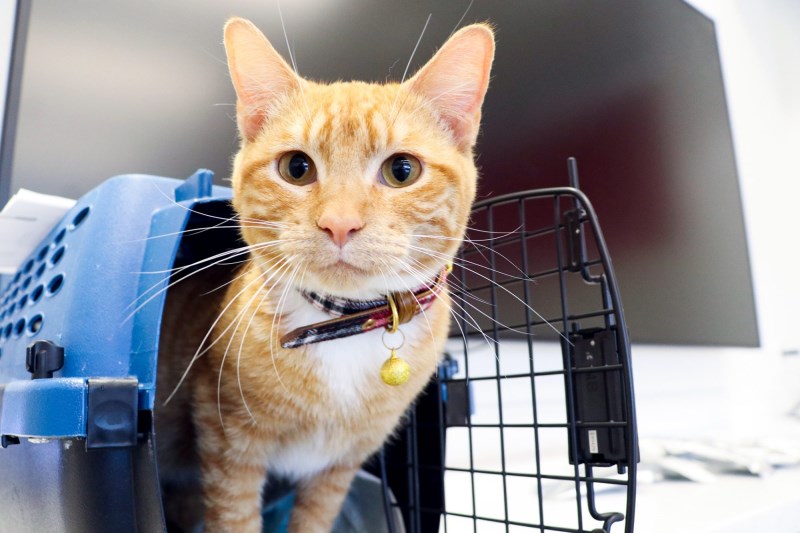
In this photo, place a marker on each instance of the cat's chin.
(349, 281)
(342, 268)
(346, 279)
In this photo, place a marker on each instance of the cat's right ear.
(259, 75)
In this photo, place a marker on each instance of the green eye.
(297, 168)
(401, 170)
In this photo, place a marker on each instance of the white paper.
(26, 219)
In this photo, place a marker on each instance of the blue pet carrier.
(79, 329)
(78, 359)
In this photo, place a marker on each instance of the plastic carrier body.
(79, 450)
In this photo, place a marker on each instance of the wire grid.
(514, 456)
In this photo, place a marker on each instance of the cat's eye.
(297, 168)
(401, 170)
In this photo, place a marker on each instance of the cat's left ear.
(455, 80)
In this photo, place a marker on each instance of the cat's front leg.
(233, 469)
(232, 490)
(319, 499)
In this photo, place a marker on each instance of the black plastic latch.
(112, 412)
(42, 358)
(8, 440)
(576, 243)
(598, 398)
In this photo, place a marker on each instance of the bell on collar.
(395, 371)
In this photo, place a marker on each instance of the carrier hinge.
(112, 412)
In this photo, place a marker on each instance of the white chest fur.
(347, 366)
(303, 459)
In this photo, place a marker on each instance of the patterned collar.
(351, 317)
(337, 306)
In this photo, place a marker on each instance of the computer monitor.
(632, 89)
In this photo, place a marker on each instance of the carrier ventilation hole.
(9, 326)
(19, 327)
(35, 324)
(40, 271)
(28, 266)
(55, 284)
(12, 308)
(23, 301)
(60, 236)
(80, 217)
(16, 277)
(26, 283)
(57, 255)
(42, 253)
(36, 294)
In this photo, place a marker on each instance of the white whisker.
(294, 63)
(200, 350)
(461, 19)
(405, 73)
(531, 309)
(402, 281)
(461, 260)
(241, 346)
(196, 231)
(446, 238)
(468, 318)
(274, 346)
(171, 200)
(238, 319)
(171, 284)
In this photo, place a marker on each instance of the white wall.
(741, 394)
(8, 10)
(759, 44)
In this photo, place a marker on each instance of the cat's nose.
(340, 228)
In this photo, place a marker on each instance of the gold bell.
(395, 371)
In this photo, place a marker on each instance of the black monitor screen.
(632, 89)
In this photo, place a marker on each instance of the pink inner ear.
(250, 121)
(456, 79)
(259, 74)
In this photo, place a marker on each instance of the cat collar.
(352, 317)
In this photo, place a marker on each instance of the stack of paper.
(26, 219)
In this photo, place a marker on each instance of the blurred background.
(632, 89)
(683, 116)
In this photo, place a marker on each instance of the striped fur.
(314, 413)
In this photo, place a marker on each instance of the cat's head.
(364, 187)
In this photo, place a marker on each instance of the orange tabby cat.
(340, 190)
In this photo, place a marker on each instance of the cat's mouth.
(346, 278)
(343, 267)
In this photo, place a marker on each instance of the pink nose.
(340, 227)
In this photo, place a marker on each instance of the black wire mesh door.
(530, 423)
